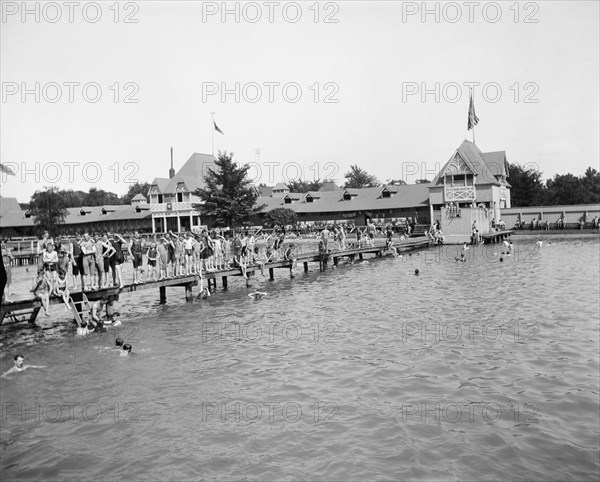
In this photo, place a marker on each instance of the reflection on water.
(483, 370)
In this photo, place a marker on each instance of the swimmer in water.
(20, 365)
(258, 295)
(462, 258)
(539, 243)
(83, 329)
(126, 350)
(118, 344)
(416, 272)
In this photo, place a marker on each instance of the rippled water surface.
(483, 370)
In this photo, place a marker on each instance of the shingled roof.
(488, 167)
(191, 174)
(366, 199)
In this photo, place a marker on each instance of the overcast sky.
(340, 83)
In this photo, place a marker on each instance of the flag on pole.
(6, 170)
(217, 128)
(473, 119)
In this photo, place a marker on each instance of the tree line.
(527, 188)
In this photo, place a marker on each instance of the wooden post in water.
(33, 315)
(163, 294)
(360, 256)
(306, 266)
(224, 279)
(188, 292)
(271, 274)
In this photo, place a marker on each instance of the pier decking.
(27, 310)
(497, 236)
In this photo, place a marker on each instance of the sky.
(96, 94)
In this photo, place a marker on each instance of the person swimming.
(20, 366)
(126, 349)
(257, 295)
(416, 272)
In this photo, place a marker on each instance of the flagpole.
(473, 101)
(212, 129)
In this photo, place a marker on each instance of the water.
(329, 377)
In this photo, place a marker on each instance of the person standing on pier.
(117, 242)
(371, 233)
(88, 249)
(7, 258)
(136, 250)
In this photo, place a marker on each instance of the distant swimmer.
(204, 293)
(461, 259)
(20, 365)
(416, 272)
(126, 350)
(539, 243)
(258, 295)
(501, 259)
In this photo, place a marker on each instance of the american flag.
(473, 119)
(217, 128)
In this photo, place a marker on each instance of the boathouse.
(471, 187)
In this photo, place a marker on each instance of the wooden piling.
(188, 292)
(271, 274)
(224, 279)
(306, 266)
(163, 294)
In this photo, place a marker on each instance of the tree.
(591, 183)
(526, 186)
(395, 182)
(48, 208)
(73, 199)
(565, 189)
(280, 216)
(359, 178)
(304, 186)
(135, 189)
(100, 197)
(229, 195)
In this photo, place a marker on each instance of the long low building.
(15, 221)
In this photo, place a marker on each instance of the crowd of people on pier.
(94, 261)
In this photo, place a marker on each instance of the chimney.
(171, 171)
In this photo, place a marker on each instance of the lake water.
(483, 370)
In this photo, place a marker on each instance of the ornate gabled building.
(472, 186)
(172, 200)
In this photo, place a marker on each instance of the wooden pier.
(497, 236)
(28, 310)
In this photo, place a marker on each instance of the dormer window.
(138, 209)
(82, 212)
(27, 214)
(287, 200)
(104, 211)
(309, 198)
(386, 193)
(347, 196)
(180, 186)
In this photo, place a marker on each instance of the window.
(160, 199)
(104, 211)
(82, 212)
(386, 193)
(287, 200)
(179, 197)
(309, 199)
(347, 196)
